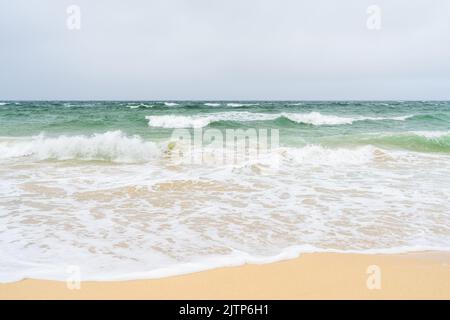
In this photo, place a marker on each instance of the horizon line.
(224, 100)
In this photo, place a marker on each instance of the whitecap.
(209, 104)
(142, 105)
(112, 146)
(170, 104)
(316, 118)
(199, 121)
(233, 104)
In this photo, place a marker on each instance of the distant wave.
(170, 104)
(140, 106)
(428, 117)
(3, 103)
(112, 146)
(233, 104)
(312, 118)
(178, 121)
(210, 104)
(171, 121)
(317, 119)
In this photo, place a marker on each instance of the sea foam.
(112, 146)
(155, 219)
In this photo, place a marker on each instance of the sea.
(119, 190)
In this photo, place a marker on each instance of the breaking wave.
(179, 121)
(312, 118)
(112, 146)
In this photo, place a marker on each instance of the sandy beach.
(423, 275)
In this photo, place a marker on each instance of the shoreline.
(422, 275)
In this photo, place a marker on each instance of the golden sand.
(312, 276)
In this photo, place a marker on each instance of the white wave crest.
(316, 118)
(3, 103)
(170, 104)
(209, 104)
(232, 104)
(112, 146)
(170, 121)
(137, 106)
(178, 121)
(199, 121)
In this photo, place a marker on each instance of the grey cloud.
(234, 49)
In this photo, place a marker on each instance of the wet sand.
(423, 275)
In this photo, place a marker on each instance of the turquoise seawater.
(393, 124)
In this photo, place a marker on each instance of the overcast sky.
(224, 49)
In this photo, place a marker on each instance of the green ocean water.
(413, 125)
